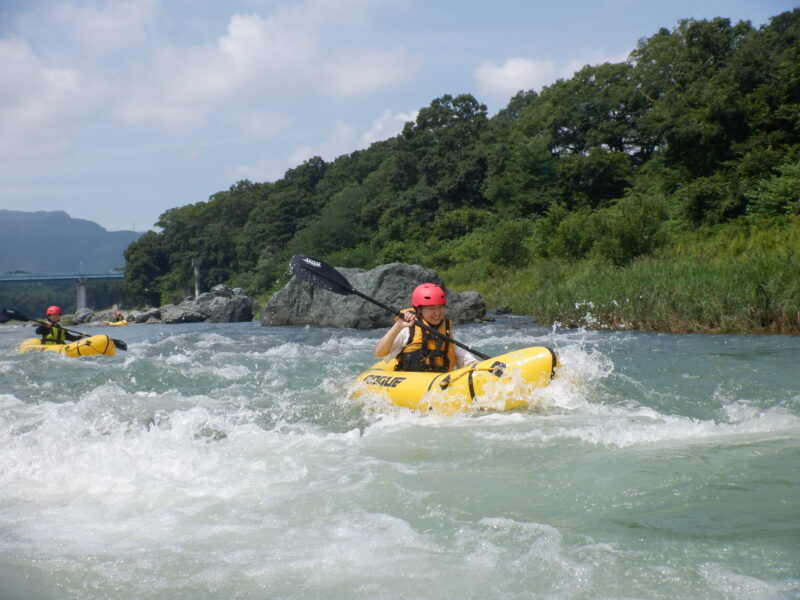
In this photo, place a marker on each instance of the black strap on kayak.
(553, 362)
(471, 386)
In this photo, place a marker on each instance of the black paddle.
(316, 272)
(10, 313)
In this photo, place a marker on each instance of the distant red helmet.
(428, 294)
(52, 310)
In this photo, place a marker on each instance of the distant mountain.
(54, 242)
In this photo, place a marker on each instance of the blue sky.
(118, 110)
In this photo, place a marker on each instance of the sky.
(118, 110)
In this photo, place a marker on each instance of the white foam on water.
(738, 586)
(234, 465)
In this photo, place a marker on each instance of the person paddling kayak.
(51, 330)
(417, 349)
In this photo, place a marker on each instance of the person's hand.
(408, 318)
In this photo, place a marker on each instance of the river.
(226, 461)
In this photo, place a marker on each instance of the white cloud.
(179, 90)
(386, 126)
(261, 125)
(515, 74)
(266, 168)
(39, 106)
(265, 52)
(340, 141)
(591, 57)
(112, 26)
(269, 60)
(364, 73)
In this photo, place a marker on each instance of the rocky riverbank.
(221, 305)
(300, 303)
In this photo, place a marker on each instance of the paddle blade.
(314, 271)
(10, 313)
(120, 344)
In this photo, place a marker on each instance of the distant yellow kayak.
(93, 345)
(116, 323)
(501, 383)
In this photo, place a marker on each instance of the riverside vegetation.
(658, 193)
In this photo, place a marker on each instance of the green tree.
(595, 178)
(337, 226)
(528, 182)
(506, 246)
(780, 194)
(145, 262)
(631, 228)
(443, 138)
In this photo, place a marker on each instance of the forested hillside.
(662, 192)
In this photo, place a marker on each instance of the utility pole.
(196, 262)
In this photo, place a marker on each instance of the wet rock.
(229, 305)
(172, 313)
(83, 315)
(148, 316)
(221, 305)
(300, 303)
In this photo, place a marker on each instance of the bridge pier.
(82, 301)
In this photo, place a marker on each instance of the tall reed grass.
(740, 278)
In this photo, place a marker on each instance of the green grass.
(743, 277)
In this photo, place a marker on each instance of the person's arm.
(464, 357)
(70, 337)
(384, 345)
(42, 329)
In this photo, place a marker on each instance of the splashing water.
(227, 460)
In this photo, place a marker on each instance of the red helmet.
(428, 294)
(52, 310)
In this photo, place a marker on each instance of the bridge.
(81, 278)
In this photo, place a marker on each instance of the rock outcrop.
(300, 303)
(221, 305)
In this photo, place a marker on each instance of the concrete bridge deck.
(80, 278)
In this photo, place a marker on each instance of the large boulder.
(82, 316)
(229, 306)
(151, 315)
(221, 305)
(180, 313)
(300, 303)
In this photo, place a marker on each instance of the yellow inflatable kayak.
(500, 383)
(116, 323)
(93, 345)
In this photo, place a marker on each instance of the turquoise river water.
(226, 461)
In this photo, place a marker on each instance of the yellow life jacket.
(427, 352)
(55, 335)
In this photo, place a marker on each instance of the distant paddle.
(314, 271)
(10, 313)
